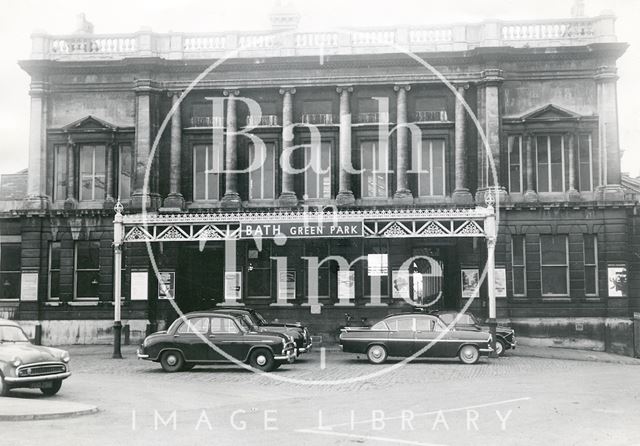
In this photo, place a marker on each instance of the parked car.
(299, 332)
(24, 365)
(403, 335)
(182, 346)
(505, 336)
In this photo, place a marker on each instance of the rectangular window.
(87, 269)
(430, 161)
(125, 171)
(552, 163)
(262, 179)
(590, 264)
(317, 179)
(92, 172)
(554, 262)
(207, 165)
(515, 163)
(586, 178)
(54, 270)
(374, 165)
(518, 265)
(61, 176)
(10, 270)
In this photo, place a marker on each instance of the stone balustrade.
(457, 37)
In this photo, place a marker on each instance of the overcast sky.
(19, 18)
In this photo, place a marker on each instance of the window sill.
(556, 298)
(84, 303)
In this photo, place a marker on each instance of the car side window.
(195, 325)
(223, 325)
(447, 318)
(424, 324)
(405, 324)
(465, 319)
(380, 326)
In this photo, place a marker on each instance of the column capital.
(398, 87)
(39, 89)
(344, 88)
(175, 93)
(290, 90)
(146, 86)
(606, 73)
(461, 86)
(492, 76)
(231, 92)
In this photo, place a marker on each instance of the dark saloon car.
(185, 345)
(24, 365)
(403, 335)
(299, 332)
(505, 336)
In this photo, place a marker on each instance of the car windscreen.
(259, 319)
(12, 334)
(246, 324)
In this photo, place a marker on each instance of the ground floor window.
(87, 269)
(54, 270)
(590, 264)
(518, 265)
(554, 264)
(10, 270)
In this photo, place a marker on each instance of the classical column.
(144, 196)
(608, 144)
(36, 198)
(288, 196)
(489, 117)
(461, 194)
(71, 199)
(231, 198)
(345, 195)
(175, 200)
(403, 193)
(530, 193)
(572, 193)
(490, 230)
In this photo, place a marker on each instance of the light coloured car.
(24, 365)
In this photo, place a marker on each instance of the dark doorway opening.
(200, 278)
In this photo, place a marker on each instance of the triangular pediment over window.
(90, 123)
(550, 112)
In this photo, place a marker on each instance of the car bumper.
(141, 355)
(34, 379)
(485, 351)
(305, 349)
(289, 356)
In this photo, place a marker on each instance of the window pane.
(255, 187)
(554, 249)
(584, 157)
(543, 167)
(518, 249)
(54, 251)
(518, 280)
(199, 163)
(590, 278)
(87, 283)
(269, 172)
(438, 167)
(405, 324)
(212, 186)
(61, 177)
(54, 284)
(9, 285)
(424, 324)
(514, 164)
(100, 173)
(589, 249)
(554, 280)
(259, 282)
(88, 255)
(10, 257)
(557, 184)
(124, 180)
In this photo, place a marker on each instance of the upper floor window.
(10, 270)
(61, 174)
(375, 178)
(262, 179)
(552, 163)
(317, 176)
(207, 165)
(92, 172)
(431, 165)
(515, 163)
(586, 178)
(87, 269)
(554, 264)
(125, 171)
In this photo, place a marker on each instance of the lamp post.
(117, 273)
(490, 231)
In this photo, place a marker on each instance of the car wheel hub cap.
(377, 353)
(262, 360)
(171, 360)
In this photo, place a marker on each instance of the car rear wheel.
(172, 361)
(469, 354)
(4, 389)
(55, 387)
(500, 347)
(262, 359)
(377, 354)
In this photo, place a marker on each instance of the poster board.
(400, 284)
(617, 280)
(139, 285)
(29, 286)
(469, 278)
(168, 279)
(346, 285)
(232, 286)
(287, 286)
(500, 277)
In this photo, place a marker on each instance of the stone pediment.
(550, 112)
(90, 123)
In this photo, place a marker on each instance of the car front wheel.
(53, 389)
(262, 360)
(172, 361)
(469, 354)
(500, 347)
(377, 354)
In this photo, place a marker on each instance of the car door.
(227, 337)
(401, 336)
(426, 334)
(189, 338)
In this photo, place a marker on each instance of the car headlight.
(16, 362)
(65, 357)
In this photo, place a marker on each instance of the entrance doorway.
(200, 278)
